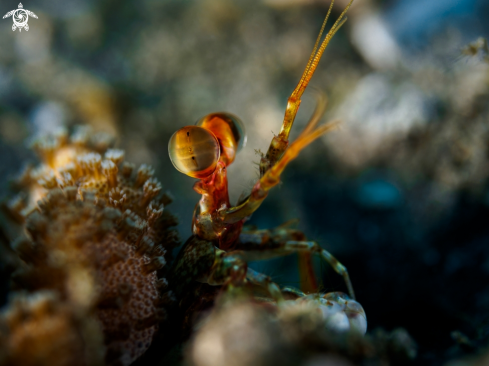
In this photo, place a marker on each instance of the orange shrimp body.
(217, 252)
(204, 151)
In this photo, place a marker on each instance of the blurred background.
(399, 194)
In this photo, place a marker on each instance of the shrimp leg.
(266, 244)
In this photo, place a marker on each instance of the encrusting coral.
(98, 239)
(40, 329)
(245, 333)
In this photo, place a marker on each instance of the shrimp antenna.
(280, 154)
(294, 100)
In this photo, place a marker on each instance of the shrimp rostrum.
(218, 251)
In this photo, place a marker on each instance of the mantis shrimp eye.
(194, 151)
(229, 130)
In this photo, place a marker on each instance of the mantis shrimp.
(218, 251)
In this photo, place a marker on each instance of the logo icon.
(20, 17)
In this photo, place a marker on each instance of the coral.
(248, 333)
(336, 310)
(98, 237)
(31, 327)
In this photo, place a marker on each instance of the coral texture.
(39, 329)
(98, 237)
(246, 333)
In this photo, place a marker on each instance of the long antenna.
(294, 100)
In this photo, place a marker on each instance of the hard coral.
(99, 237)
(249, 333)
(30, 331)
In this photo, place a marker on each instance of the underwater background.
(399, 194)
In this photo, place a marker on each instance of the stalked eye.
(194, 151)
(229, 130)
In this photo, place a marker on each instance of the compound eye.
(229, 130)
(194, 151)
